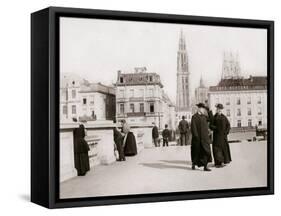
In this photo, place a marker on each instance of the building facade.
(140, 99)
(183, 86)
(244, 100)
(85, 101)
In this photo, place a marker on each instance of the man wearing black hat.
(183, 128)
(221, 128)
(200, 143)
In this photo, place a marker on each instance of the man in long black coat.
(200, 143)
(183, 128)
(221, 128)
(155, 135)
(81, 148)
(118, 139)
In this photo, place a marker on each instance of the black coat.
(183, 126)
(130, 148)
(81, 148)
(166, 134)
(155, 133)
(200, 142)
(221, 149)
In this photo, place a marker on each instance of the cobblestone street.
(168, 169)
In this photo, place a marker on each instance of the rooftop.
(97, 87)
(238, 84)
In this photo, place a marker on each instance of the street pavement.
(168, 169)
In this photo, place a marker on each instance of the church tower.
(183, 98)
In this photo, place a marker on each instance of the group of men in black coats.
(201, 123)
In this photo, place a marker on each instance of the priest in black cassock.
(200, 142)
(81, 148)
(221, 127)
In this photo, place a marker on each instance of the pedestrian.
(166, 135)
(200, 144)
(184, 129)
(221, 128)
(155, 135)
(81, 148)
(118, 139)
(129, 141)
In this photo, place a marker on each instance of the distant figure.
(129, 141)
(221, 128)
(166, 135)
(183, 128)
(81, 148)
(200, 144)
(118, 139)
(155, 135)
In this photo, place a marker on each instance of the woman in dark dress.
(118, 139)
(221, 128)
(81, 148)
(129, 142)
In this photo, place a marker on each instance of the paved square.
(168, 169)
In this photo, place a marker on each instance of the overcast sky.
(96, 49)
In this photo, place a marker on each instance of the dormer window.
(150, 79)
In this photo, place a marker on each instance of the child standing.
(166, 134)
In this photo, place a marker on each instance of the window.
(228, 112)
(259, 99)
(64, 110)
(84, 101)
(260, 122)
(73, 108)
(238, 102)
(141, 93)
(227, 101)
(249, 122)
(151, 108)
(121, 80)
(259, 111)
(217, 100)
(122, 95)
(238, 112)
(131, 92)
(122, 108)
(141, 107)
(239, 123)
(151, 92)
(249, 100)
(92, 102)
(150, 79)
(249, 111)
(132, 108)
(73, 93)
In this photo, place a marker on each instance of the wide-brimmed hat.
(219, 106)
(201, 105)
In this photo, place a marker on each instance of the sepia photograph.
(150, 107)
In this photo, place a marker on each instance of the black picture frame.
(45, 109)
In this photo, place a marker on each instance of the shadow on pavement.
(184, 162)
(164, 166)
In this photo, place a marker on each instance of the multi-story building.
(201, 93)
(183, 107)
(140, 98)
(97, 102)
(85, 101)
(244, 100)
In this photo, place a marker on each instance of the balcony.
(136, 114)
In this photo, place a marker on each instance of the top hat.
(219, 106)
(201, 105)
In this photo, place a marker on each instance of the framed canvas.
(134, 107)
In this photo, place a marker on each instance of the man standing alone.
(200, 144)
(155, 135)
(183, 128)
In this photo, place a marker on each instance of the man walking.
(166, 134)
(200, 144)
(221, 128)
(183, 128)
(155, 135)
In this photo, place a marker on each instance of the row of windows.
(238, 112)
(150, 79)
(65, 111)
(132, 108)
(238, 101)
(132, 93)
(250, 124)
